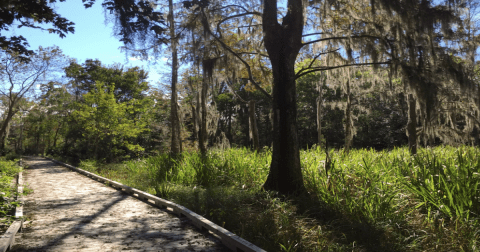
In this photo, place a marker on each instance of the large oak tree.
(384, 30)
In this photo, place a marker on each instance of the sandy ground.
(70, 212)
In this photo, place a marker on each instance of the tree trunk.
(283, 43)
(56, 135)
(202, 139)
(3, 129)
(96, 147)
(7, 133)
(47, 135)
(412, 125)
(194, 119)
(348, 121)
(319, 113)
(198, 116)
(176, 143)
(253, 125)
(21, 138)
(478, 129)
(37, 142)
(229, 127)
(195, 109)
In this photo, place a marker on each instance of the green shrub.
(8, 170)
(12, 156)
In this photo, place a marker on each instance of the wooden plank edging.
(19, 209)
(229, 239)
(7, 239)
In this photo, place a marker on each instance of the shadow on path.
(117, 217)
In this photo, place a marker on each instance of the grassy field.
(368, 201)
(8, 170)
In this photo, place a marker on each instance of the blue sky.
(93, 39)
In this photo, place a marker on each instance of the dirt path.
(70, 212)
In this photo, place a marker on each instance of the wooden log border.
(229, 239)
(7, 239)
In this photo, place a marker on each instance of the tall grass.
(367, 200)
(364, 183)
(446, 180)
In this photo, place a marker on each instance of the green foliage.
(12, 156)
(125, 84)
(105, 122)
(368, 200)
(362, 183)
(8, 170)
(29, 12)
(446, 181)
(104, 112)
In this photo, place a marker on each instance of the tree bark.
(198, 116)
(202, 139)
(176, 142)
(283, 42)
(412, 125)
(229, 127)
(56, 135)
(319, 113)
(6, 122)
(253, 125)
(194, 120)
(21, 137)
(7, 133)
(348, 121)
(37, 142)
(478, 104)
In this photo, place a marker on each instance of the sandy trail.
(71, 212)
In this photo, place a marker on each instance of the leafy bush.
(12, 156)
(8, 170)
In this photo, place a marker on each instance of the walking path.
(71, 212)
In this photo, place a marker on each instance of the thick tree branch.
(228, 82)
(313, 34)
(318, 69)
(263, 55)
(235, 16)
(333, 38)
(314, 59)
(232, 5)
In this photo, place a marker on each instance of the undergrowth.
(8, 170)
(367, 201)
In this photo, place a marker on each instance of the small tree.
(106, 123)
(19, 78)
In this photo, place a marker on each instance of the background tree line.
(112, 113)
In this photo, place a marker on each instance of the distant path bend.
(71, 212)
